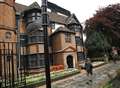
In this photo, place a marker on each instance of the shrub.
(56, 67)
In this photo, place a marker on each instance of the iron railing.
(11, 75)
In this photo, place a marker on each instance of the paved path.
(101, 75)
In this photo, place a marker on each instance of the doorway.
(70, 61)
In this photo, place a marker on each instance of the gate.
(12, 74)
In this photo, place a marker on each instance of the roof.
(19, 7)
(34, 5)
(34, 26)
(54, 17)
(62, 29)
(65, 29)
(71, 20)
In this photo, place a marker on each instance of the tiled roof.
(34, 5)
(57, 18)
(62, 29)
(65, 29)
(19, 7)
(54, 17)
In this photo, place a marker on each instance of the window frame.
(68, 38)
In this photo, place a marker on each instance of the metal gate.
(12, 75)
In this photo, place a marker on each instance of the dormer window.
(33, 17)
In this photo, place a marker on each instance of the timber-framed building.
(20, 23)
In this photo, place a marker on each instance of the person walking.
(89, 70)
(114, 54)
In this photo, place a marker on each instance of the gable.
(69, 48)
(34, 5)
(71, 20)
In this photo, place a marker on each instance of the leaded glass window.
(67, 37)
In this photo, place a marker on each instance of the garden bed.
(39, 79)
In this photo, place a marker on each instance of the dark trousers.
(89, 72)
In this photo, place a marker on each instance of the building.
(23, 25)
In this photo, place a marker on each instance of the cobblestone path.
(101, 75)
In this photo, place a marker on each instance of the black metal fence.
(12, 74)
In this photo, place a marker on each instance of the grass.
(39, 79)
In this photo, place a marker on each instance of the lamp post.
(46, 51)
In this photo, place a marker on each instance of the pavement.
(101, 75)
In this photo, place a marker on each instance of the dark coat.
(88, 67)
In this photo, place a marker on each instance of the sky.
(83, 9)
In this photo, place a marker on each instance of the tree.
(97, 44)
(107, 21)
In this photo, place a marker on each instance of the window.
(32, 39)
(71, 27)
(41, 62)
(40, 39)
(23, 39)
(36, 61)
(67, 37)
(33, 16)
(30, 15)
(78, 40)
(80, 56)
(38, 14)
(35, 39)
(33, 61)
(52, 25)
(37, 36)
(77, 28)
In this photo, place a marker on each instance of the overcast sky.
(84, 9)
